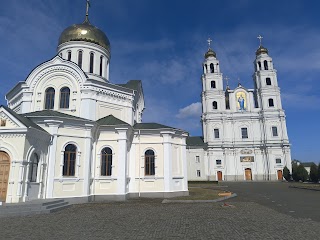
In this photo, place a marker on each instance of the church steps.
(32, 208)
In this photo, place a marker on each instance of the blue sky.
(163, 42)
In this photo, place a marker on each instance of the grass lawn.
(201, 191)
(306, 185)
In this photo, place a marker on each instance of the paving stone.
(150, 219)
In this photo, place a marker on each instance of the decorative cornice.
(11, 135)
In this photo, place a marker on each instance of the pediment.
(54, 66)
(8, 120)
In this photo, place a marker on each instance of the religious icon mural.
(241, 99)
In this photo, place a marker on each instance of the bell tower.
(265, 80)
(213, 96)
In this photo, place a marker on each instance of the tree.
(319, 171)
(299, 173)
(302, 173)
(295, 171)
(314, 173)
(286, 173)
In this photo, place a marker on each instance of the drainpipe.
(139, 158)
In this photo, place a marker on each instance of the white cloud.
(193, 110)
(298, 101)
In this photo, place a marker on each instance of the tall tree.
(319, 172)
(302, 174)
(295, 171)
(286, 173)
(314, 173)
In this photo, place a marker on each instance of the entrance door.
(219, 173)
(4, 175)
(280, 175)
(248, 174)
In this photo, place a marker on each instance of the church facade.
(69, 132)
(244, 130)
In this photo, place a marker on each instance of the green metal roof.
(135, 85)
(195, 141)
(52, 113)
(24, 120)
(132, 84)
(111, 121)
(151, 126)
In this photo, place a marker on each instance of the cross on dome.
(87, 10)
(209, 42)
(260, 39)
(226, 78)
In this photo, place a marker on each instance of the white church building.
(244, 130)
(69, 132)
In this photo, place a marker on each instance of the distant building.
(307, 166)
(244, 130)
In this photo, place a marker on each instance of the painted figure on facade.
(241, 102)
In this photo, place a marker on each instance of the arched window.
(206, 67)
(214, 105)
(101, 65)
(216, 133)
(211, 68)
(80, 59)
(149, 168)
(49, 101)
(64, 97)
(213, 84)
(91, 62)
(271, 103)
(33, 169)
(265, 63)
(259, 65)
(69, 160)
(69, 55)
(268, 81)
(106, 162)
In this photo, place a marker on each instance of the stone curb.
(304, 188)
(200, 201)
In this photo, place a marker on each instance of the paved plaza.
(151, 219)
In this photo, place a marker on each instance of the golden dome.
(210, 53)
(261, 50)
(84, 32)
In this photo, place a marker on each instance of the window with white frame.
(198, 173)
(275, 131)
(218, 162)
(270, 102)
(197, 159)
(216, 133)
(244, 132)
(33, 168)
(268, 81)
(69, 160)
(278, 160)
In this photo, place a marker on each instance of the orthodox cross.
(239, 84)
(260, 39)
(226, 78)
(209, 42)
(88, 5)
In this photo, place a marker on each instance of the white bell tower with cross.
(213, 95)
